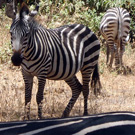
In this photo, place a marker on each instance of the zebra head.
(20, 30)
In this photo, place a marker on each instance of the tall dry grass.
(118, 91)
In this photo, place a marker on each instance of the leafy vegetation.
(87, 12)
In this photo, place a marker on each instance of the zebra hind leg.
(117, 59)
(85, 88)
(76, 88)
(107, 54)
(95, 85)
(120, 68)
(123, 68)
(112, 52)
(85, 95)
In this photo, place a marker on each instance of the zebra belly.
(57, 73)
(62, 69)
(58, 76)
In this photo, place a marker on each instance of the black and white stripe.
(115, 27)
(114, 123)
(56, 54)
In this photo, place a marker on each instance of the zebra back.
(114, 123)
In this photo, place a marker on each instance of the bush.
(86, 12)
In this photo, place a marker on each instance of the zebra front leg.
(76, 88)
(28, 90)
(39, 97)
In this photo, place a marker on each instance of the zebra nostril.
(16, 59)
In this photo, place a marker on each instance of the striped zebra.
(115, 27)
(113, 123)
(55, 54)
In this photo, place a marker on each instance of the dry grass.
(118, 92)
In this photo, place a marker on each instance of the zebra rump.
(113, 123)
(115, 27)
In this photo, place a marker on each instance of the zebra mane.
(34, 24)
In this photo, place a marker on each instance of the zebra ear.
(34, 12)
(24, 11)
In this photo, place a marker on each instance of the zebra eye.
(13, 36)
(11, 33)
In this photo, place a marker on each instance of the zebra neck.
(35, 47)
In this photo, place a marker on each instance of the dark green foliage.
(131, 8)
(87, 12)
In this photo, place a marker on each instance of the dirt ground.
(118, 94)
(118, 91)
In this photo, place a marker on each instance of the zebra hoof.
(65, 115)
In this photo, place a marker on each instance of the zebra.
(55, 54)
(112, 123)
(115, 27)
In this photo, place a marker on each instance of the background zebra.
(116, 123)
(115, 27)
(56, 54)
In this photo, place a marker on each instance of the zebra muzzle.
(16, 59)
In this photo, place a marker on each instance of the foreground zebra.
(56, 54)
(115, 27)
(116, 123)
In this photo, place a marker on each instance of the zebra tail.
(95, 82)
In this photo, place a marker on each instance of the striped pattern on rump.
(115, 27)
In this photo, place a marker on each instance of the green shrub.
(86, 12)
